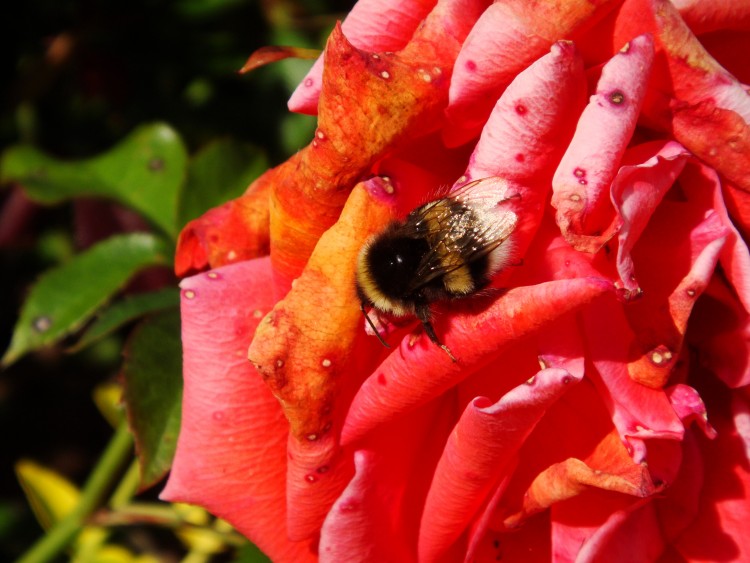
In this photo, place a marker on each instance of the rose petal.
(478, 452)
(689, 406)
(507, 38)
(303, 360)
(533, 120)
(233, 232)
(702, 16)
(719, 531)
(636, 192)
(371, 25)
(638, 412)
(690, 95)
(582, 181)
(413, 374)
(386, 496)
(630, 534)
(231, 453)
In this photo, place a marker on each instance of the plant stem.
(65, 531)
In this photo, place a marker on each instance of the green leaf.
(66, 297)
(125, 311)
(145, 171)
(219, 172)
(249, 553)
(153, 392)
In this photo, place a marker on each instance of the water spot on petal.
(309, 82)
(189, 294)
(385, 74)
(213, 276)
(320, 135)
(375, 56)
(471, 66)
(326, 363)
(218, 415)
(566, 380)
(661, 355)
(312, 437)
(348, 506)
(521, 109)
(579, 173)
(323, 469)
(310, 478)
(279, 363)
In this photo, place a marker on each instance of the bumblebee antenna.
(372, 325)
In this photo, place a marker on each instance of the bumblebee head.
(386, 270)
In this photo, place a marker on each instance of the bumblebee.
(446, 249)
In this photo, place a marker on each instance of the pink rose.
(599, 408)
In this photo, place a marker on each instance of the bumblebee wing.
(459, 230)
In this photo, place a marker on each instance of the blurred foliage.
(119, 122)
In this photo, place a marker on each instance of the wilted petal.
(478, 453)
(582, 181)
(371, 25)
(231, 453)
(689, 407)
(305, 351)
(418, 371)
(506, 39)
(233, 232)
(531, 123)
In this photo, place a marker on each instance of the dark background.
(77, 76)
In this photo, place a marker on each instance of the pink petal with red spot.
(507, 38)
(316, 475)
(418, 371)
(231, 453)
(533, 120)
(582, 180)
(371, 25)
(636, 192)
(477, 454)
(497, 49)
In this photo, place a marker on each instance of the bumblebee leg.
(425, 316)
(372, 325)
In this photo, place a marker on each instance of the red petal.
(231, 453)
(477, 454)
(415, 373)
(533, 120)
(702, 16)
(719, 531)
(582, 181)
